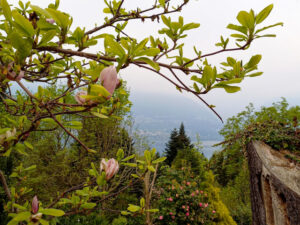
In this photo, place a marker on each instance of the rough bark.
(274, 185)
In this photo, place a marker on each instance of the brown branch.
(4, 183)
(26, 90)
(68, 132)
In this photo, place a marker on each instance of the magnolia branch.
(4, 183)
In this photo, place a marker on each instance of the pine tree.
(178, 141)
(171, 147)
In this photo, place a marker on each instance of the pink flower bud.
(200, 204)
(52, 21)
(188, 183)
(78, 97)
(205, 205)
(171, 213)
(109, 79)
(20, 76)
(161, 217)
(197, 192)
(35, 205)
(173, 217)
(170, 199)
(11, 74)
(111, 167)
(187, 214)
(183, 206)
(213, 211)
(193, 194)
(201, 192)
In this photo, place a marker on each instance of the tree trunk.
(274, 185)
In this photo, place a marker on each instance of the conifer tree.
(178, 141)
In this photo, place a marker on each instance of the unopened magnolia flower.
(171, 213)
(35, 205)
(187, 214)
(78, 97)
(110, 167)
(7, 134)
(161, 217)
(52, 21)
(188, 183)
(200, 204)
(11, 74)
(213, 211)
(109, 79)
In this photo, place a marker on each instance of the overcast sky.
(281, 55)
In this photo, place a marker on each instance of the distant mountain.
(156, 115)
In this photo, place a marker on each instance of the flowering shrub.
(182, 201)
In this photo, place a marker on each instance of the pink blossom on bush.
(205, 205)
(197, 191)
(170, 199)
(171, 213)
(187, 214)
(200, 204)
(193, 194)
(201, 192)
(173, 217)
(188, 183)
(213, 211)
(110, 167)
(183, 206)
(161, 217)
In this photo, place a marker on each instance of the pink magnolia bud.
(213, 211)
(161, 217)
(170, 199)
(200, 204)
(11, 74)
(52, 21)
(110, 167)
(109, 79)
(193, 194)
(187, 214)
(188, 183)
(173, 217)
(171, 213)
(205, 205)
(78, 97)
(35, 205)
(183, 206)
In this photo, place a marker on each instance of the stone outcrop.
(275, 186)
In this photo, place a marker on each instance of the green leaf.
(44, 222)
(23, 46)
(114, 47)
(23, 24)
(20, 217)
(52, 212)
(149, 52)
(89, 205)
(48, 36)
(28, 145)
(153, 64)
(40, 11)
(166, 21)
(254, 61)
(133, 208)
(125, 213)
(245, 19)
(60, 18)
(151, 168)
(73, 124)
(263, 14)
(267, 27)
(6, 10)
(142, 202)
(128, 158)
(237, 28)
(255, 74)
(152, 210)
(130, 164)
(99, 90)
(159, 160)
(190, 26)
(228, 88)
(99, 115)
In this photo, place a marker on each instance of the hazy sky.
(281, 55)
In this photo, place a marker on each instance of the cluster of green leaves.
(277, 126)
